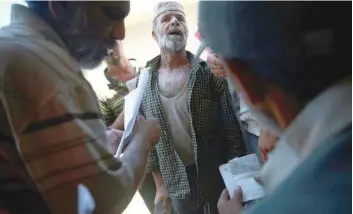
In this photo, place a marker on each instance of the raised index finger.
(119, 48)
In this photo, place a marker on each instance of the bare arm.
(146, 134)
(62, 142)
(153, 167)
(158, 180)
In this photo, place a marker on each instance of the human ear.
(154, 35)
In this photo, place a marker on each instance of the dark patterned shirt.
(215, 130)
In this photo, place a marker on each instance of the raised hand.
(214, 62)
(161, 194)
(119, 66)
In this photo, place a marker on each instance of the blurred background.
(138, 42)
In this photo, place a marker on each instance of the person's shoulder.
(19, 60)
(153, 62)
(38, 58)
(203, 65)
(324, 179)
(199, 65)
(16, 61)
(34, 74)
(10, 50)
(206, 74)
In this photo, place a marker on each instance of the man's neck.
(173, 60)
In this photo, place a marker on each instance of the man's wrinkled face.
(92, 29)
(171, 31)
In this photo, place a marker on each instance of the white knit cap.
(165, 6)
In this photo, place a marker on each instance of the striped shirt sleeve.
(62, 139)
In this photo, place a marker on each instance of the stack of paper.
(131, 109)
(241, 172)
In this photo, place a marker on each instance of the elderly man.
(52, 133)
(292, 64)
(199, 127)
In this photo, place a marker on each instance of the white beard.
(171, 82)
(172, 43)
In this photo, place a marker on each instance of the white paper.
(131, 84)
(131, 108)
(241, 172)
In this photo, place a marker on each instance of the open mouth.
(178, 33)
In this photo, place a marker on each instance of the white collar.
(322, 118)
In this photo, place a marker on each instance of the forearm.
(135, 159)
(112, 192)
(118, 184)
(99, 171)
(158, 180)
(119, 122)
(59, 156)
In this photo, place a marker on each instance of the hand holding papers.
(131, 109)
(241, 172)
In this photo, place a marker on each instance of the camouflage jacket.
(112, 107)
